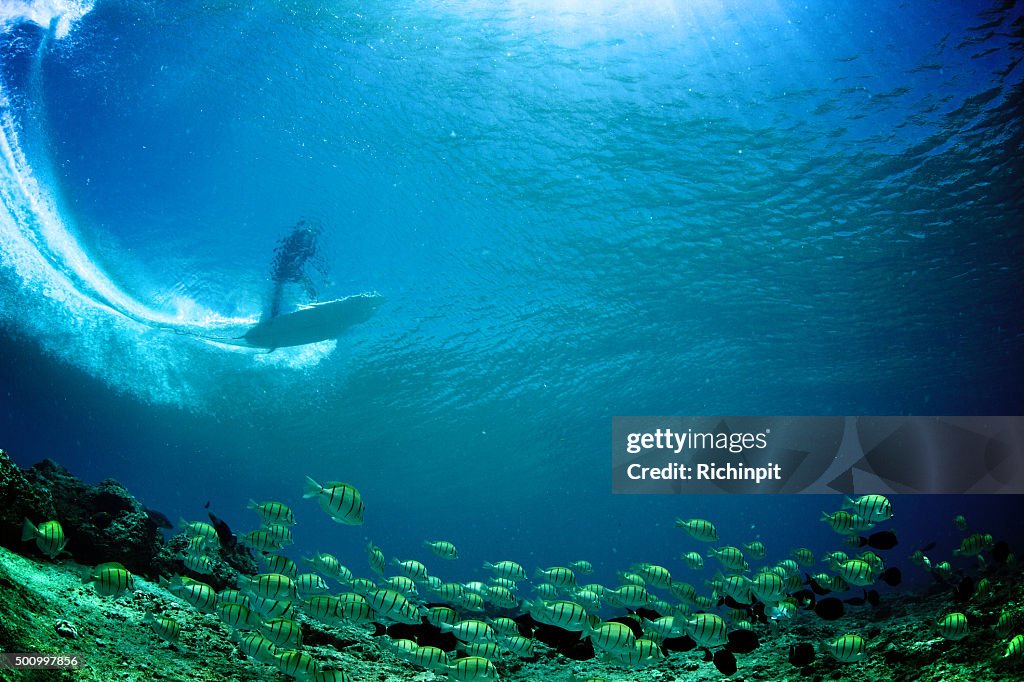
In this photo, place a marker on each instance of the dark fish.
(930, 545)
(224, 534)
(872, 597)
(684, 643)
(757, 614)
(818, 589)
(829, 609)
(158, 518)
(708, 655)
(569, 644)
(885, 539)
(649, 614)
(805, 599)
(742, 642)
(629, 623)
(425, 634)
(725, 662)
(856, 541)
(801, 654)
(965, 590)
(1000, 551)
(891, 576)
(733, 604)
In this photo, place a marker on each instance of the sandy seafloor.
(114, 644)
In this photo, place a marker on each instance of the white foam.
(61, 14)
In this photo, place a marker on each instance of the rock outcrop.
(20, 498)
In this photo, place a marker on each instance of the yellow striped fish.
(973, 544)
(442, 548)
(546, 591)
(567, 615)
(310, 583)
(199, 528)
(699, 529)
(376, 558)
(112, 579)
(474, 631)
(442, 614)
(256, 646)
(269, 608)
(872, 508)
(49, 537)
(768, 587)
(559, 576)
(430, 657)
(196, 593)
(582, 567)
(856, 572)
(658, 576)
(341, 501)
(506, 569)
(393, 605)
(298, 664)
(262, 540)
(502, 597)
(1014, 647)
(272, 586)
(412, 569)
(629, 596)
(233, 595)
(356, 612)
(403, 584)
(848, 648)
(273, 512)
(283, 632)
(612, 637)
(518, 645)
(755, 549)
(276, 563)
(644, 651)
(694, 560)
(684, 591)
(845, 523)
(167, 628)
(730, 557)
(327, 564)
(953, 626)
(707, 629)
(488, 650)
(472, 669)
(237, 616)
(324, 607)
(1007, 622)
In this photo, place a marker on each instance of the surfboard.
(314, 322)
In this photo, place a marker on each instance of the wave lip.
(62, 15)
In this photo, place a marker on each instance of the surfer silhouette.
(291, 256)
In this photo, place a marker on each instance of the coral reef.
(102, 522)
(20, 497)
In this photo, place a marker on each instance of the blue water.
(575, 210)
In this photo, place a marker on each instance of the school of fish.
(659, 613)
